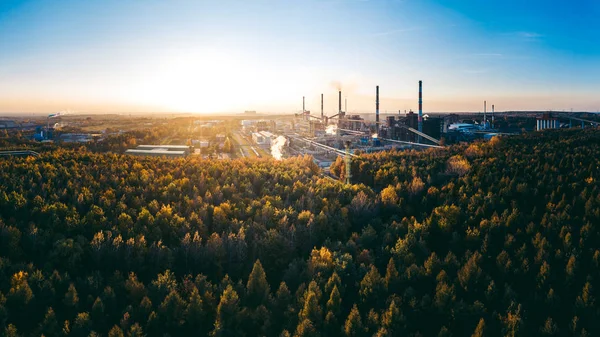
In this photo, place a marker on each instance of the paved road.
(244, 145)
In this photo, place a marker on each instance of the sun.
(193, 82)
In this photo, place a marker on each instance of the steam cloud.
(331, 129)
(59, 114)
(374, 136)
(337, 85)
(277, 146)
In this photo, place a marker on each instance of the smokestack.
(340, 102)
(321, 106)
(303, 109)
(420, 108)
(492, 115)
(484, 113)
(377, 109)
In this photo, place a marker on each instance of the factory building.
(546, 122)
(397, 127)
(262, 137)
(169, 151)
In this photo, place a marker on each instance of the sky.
(228, 56)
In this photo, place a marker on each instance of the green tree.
(227, 146)
(257, 289)
(49, 325)
(391, 276)
(353, 326)
(11, 331)
(116, 332)
(194, 313)
(172, 310)
(479, 330)
(228, 320)
(71, 299)
(306, 329)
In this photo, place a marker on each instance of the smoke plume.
(60, 114)
(277, 146)
(337, 85)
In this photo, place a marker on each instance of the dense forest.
(486, 239)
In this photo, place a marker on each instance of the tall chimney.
(321, 106)
(420, 108)
(492, 115)
(340, 102)
(377, 109)
(484, 113)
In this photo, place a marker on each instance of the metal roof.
(155, 152)
(174, 147)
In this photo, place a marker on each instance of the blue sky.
(234, 55)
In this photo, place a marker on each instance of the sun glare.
(193, 82)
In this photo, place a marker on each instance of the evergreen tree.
(391, 276)
(228, 320)
(353, 326)
(172, 310)
(311, 310)
(49, 325)
(257, 289)
(479, 330)
(306, 329)
(115, 331)
(194, 313)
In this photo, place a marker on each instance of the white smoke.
(374, 136)
(276, 147)
(60, 114)
(331, 129)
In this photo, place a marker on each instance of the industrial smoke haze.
(331, 129)
(277, 146)
(60, 114)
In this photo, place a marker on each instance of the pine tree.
(11, 331)
(98, 313)
(49, 325)
(172, 310)
(372, 287)
(227, 320)
(549, 328)
(444, 332)
(311, 310)
(306, 329)
(136, 331)
(71, 298)
(335, 301)
(391, 276)
(194, 313)
(479, 329)
(257, 289)
(392, 319)
(354, 326)
(115, 332)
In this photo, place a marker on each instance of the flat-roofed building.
(160, 150)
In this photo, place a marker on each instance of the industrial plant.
(327, 137)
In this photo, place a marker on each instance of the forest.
(495, 238)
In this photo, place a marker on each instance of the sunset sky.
(264, 55)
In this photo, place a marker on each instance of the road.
(244, 145)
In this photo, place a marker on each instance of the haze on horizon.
(233, 55)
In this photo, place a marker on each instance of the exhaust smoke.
(277, 147)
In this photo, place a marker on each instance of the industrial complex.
(326, 137)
